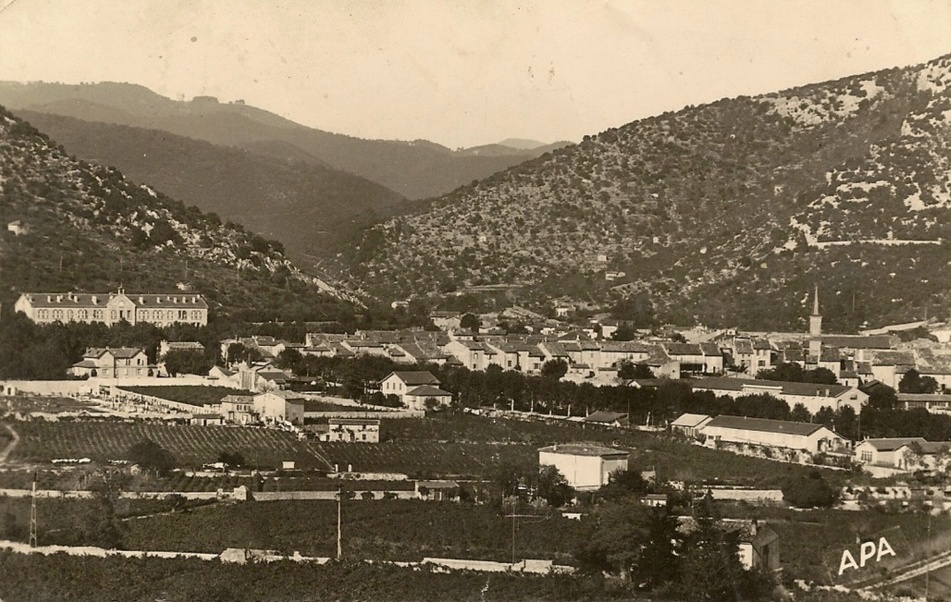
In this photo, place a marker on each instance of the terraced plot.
(42, 441)
(427, 458)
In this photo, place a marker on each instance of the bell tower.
(815, 327)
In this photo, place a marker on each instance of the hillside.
(417, 169)
(91, 229)
(725, 213)
(311, 208)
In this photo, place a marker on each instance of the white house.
(883, 451)
(276, 406)
(352, 430)
(400, 383)
(689, 424)
(586, 466)
(784, 434)
(113, 362)
(112, 308)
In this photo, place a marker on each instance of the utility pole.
(33, 514)
(339, 523)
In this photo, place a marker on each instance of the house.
(446, 320)
(933, 402)
(585, 466)
(238, 409)
(604, 418)
(206, 419)
(813, 396)
(884, 451)
(399, 383)
(166, 346)
(655, 500)
(417, 397)
(689, 425)
(804, 436)
(113, 362)
(112, 308)
(17, 227)
(279, 406)
(352, 430)
(437, 491)
(929, 455)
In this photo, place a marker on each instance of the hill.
(91, 229)
(312, 208)
(417, 169)
(725, 214)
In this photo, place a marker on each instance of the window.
(69, 315)
(113, 314)
(866, 456)
(57, 314)
(97, 314)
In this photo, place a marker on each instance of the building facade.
(585, 466)
(112, 308)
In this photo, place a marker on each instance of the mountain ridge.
(714, 213)
(415, 169)
(88, 228)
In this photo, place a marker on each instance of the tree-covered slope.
(312, 208)
(416, 169)
(720, 213)
(91, 229)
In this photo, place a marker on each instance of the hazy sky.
(465, 72)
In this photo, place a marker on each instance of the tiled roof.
(683, 349)
(428, 391)
(689, 419)
(605, 417)
(415, 378)
(857, 342)
(891, 443)
(764, 425)
(117, 352)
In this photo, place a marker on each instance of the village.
(574, 408)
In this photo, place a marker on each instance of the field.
(427, 459)
(87, 579)
(673, 459)
(51, 405)
(192, 446)
(381, 530)
(196, 395)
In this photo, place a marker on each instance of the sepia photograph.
(498, 300)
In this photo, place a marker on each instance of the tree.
(800, 413)
(810, 491)
(624, 332)
(470, 322)
(186, 361)
(631, 371)
(553, 487)
(623, 483)
(231, 458)
(659, 562)
(151, 456)
(821, 376)
(290, 359)
(555, 368)
(914, 382)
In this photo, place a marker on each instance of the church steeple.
(815, 302)
(815, 326)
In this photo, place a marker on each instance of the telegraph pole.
(339, 523)
(33, 514)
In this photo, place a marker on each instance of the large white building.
(113, 362)
(804, 436)
(586, 466)
(112, 308)
(813, 396)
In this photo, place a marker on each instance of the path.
(9, 448)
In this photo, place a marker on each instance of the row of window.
(98, 314)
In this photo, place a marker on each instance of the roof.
(415, 378)
(764, 425)
(237, 399)
(285, 395)
(91, 300)
(689, 420)
(428, 391)
(605, 417)
(86, 364)
(585, 449)
(355, 421)
(891, 443)
(683, 349)
(770, 386)
(857, 342)
(117, 352)
(184, 345)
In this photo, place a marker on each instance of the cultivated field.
(192, 446)
(196, 395)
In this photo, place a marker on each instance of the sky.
(464, 73)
